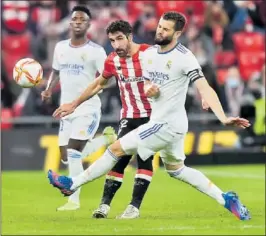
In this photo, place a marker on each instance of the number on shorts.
(123, 124)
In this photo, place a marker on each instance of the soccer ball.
(27, 73)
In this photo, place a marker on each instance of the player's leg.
(107, 138)
(63, 137)
(75, 168)
(142, 181)
(114, 178)
(83, 128)
(63, 154)
(173, 158)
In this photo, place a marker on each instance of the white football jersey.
(172, 71)
(77, 68)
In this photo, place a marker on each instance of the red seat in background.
(16, 44)
(163, 6)
(225, 58)
(6, 113)
(250, 62)
(134, 8)
(249, 41)
(221, 75)
(198, 7)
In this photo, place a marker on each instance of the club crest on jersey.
(83, 57)
(118, 67)
(149, 61)
(168, 65)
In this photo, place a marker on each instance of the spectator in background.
(237, 14)
(240, 11)
(144, 27)
(234, 89)
(216, 23)
(256, 11)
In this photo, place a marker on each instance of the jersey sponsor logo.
(71, 69)
(158, 77)
(131, 79)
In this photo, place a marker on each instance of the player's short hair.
(178, 18)
(119, 26)
(83, 9)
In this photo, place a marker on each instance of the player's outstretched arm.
(52, 83)
(211, 98)
(96, 86)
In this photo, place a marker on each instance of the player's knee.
(174, 170)
(116, 149)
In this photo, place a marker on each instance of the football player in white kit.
(169, 68)
(75, 64)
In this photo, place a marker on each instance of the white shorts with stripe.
(79, 128)
(152, 137)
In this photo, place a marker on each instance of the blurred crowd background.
(227, 37)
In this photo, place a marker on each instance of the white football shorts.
(152, 137)
(81, 127)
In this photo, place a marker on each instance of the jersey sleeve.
(100, 59)
(56, 64)
(144, 64)
(108, 68)
(192, 67)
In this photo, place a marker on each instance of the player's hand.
(64, 110)
(205, 105)
(46, 95)
(237, 121)
(152, 91)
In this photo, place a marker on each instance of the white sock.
(199, 181)
(94, 145)
(75, 168)
(96, 170)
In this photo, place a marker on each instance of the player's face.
(120, 43)
(165, 32)
(80, 23)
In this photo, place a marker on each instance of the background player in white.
(170, 67)
(76, 62)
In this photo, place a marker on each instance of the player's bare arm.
(151, 89)
(98, 84)
(52, 83)
(211, 98)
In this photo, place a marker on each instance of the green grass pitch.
(170, 207)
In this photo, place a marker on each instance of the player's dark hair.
(83, 9)
(119, 26)
(178, 18)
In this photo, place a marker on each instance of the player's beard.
(163, 41)
(121, 52)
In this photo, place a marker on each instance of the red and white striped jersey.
(128, 73)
